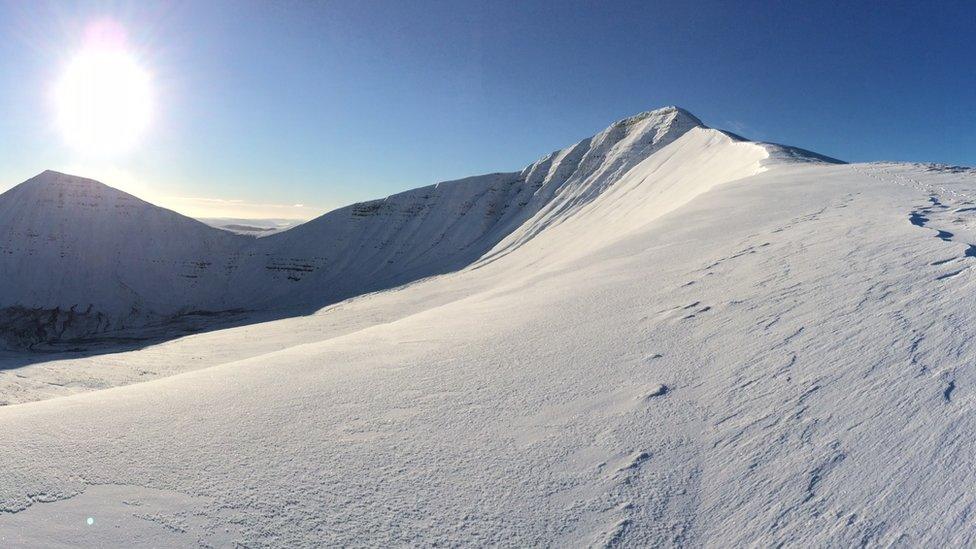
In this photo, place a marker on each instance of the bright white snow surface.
(722, 345)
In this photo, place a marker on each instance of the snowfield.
(680, 338)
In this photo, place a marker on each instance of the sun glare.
(104, 102)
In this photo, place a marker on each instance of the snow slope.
(780, 355)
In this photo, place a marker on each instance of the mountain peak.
(50, 181)
(655, 127)
(671, 112)
(51, 184)
(52, 177)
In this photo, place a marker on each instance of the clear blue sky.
(331, 102)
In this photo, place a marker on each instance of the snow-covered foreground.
(723, 349)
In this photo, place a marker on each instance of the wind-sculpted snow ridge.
(786, 153)
(86, 260)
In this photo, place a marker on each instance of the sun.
(103, 102)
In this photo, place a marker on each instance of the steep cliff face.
(80, 258)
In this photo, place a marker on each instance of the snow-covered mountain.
(664, 335)
(78, 257)
(84, 259)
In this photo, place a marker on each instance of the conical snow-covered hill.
(78, 257)
(82, 259)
